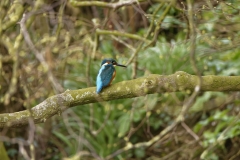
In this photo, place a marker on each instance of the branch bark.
(180, 81)
(115, 5)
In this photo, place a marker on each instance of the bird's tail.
(99, 88)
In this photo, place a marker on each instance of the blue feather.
(104, 76)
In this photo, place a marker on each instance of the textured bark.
(180, 81)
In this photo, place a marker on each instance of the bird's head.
(111, 61)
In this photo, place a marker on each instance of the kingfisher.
(106, 73)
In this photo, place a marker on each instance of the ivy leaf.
(124, 124)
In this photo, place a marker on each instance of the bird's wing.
(106, 75)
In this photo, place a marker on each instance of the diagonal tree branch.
(180, 81)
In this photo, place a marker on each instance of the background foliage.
(68, 40)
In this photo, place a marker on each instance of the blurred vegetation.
(68, 42)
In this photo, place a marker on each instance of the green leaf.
(138, 114)
(124, 124)
(234, 131)
(3, 153)
(63, 138)
(198, 105)
(139, 152)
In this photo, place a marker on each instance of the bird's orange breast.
(113, 76)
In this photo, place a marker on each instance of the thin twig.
(130, 146)
(221, 138)
(58, 88)
(149, 32)
(31, 134)
(192, 51)
(158, 24)
(194, 135)
(13, 85)
(78, 136)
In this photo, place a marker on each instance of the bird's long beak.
(120, 65)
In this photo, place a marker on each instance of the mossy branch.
(122, 34)
(103, 4)
(180, 81)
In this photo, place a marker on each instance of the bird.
(106, 73)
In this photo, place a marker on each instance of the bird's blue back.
(104, 76)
